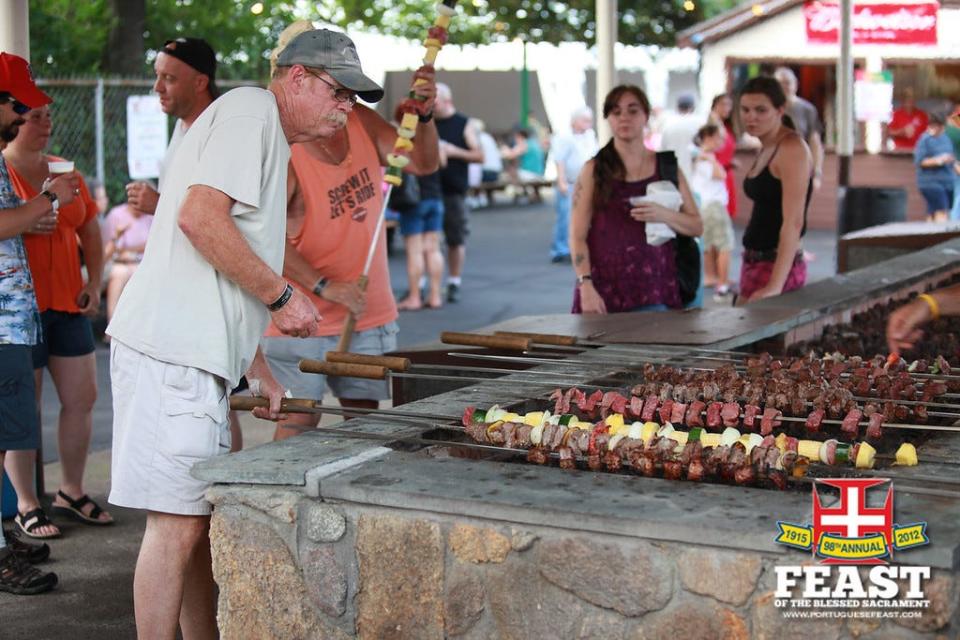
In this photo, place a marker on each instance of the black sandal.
(16, 576)
(75, 510)
(30, 521)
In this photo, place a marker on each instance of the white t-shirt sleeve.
(231, 160)
(561, 149)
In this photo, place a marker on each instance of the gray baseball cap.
(336, 54)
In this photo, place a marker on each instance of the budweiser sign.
(874, 23)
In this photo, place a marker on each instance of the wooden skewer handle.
(344, 369)
(541, 338)
(390, 362)
(287, 405)
(346, 334)
(493, 342)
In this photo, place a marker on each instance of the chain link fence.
(90, 125)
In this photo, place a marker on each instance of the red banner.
(874, 23)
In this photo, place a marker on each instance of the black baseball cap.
(198, 54)
(336, 54)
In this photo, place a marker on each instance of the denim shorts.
(427, 216)
(19, 427)
(65, 335)
(938, 197)
(284, 355)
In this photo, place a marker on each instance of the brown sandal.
(16, 576)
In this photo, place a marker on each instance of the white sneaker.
(722, 294)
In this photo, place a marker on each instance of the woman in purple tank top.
(616, 268)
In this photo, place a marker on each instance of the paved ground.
(508, 274)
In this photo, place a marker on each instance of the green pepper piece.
(842, 454)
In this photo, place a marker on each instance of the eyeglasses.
(339, 94)
(18, 107)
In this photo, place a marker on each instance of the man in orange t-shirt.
(334, 200)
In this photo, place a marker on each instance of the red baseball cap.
(17, 80)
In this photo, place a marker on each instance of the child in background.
(709, 186)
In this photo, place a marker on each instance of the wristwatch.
(583, 278)
(319, 287)
(52, 197)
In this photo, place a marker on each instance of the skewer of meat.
(597, 441)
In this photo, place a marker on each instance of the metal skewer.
(569, 344)
(312, 406)
(380, 373)
(403, 365)
(917, 378)
(554, 341)
(601, 364)
(373, 372)
(572, 341)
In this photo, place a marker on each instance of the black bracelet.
(425, 119)
(284, 298)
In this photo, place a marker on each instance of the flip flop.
(75, 510)
(32, 520)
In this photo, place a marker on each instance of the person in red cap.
(19, 324)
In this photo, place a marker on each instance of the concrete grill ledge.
(328, 537)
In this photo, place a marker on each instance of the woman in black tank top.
(780, 183)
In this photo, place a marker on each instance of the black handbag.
(407, 195)
(687, 251)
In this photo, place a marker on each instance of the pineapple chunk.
(906, 455)
(865, 457)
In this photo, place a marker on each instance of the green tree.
(121, 36)
(650, 22)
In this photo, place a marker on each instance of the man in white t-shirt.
(679, 132)
(186, 71)
(189, 322)
(570, 152)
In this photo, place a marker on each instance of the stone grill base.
(293, 567)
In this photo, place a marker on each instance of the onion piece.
(729, 436)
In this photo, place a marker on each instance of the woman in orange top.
(66, 347)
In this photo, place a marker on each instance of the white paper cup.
(60, 167)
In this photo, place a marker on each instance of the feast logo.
(851, 533)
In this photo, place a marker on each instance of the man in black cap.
(19, 326)
(186, 71)
(189, 323)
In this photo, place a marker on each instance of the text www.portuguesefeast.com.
(841, 614)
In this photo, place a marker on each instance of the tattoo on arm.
(578, 259)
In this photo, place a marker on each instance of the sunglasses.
(18, 107)
(339, 94)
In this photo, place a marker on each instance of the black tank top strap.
(773, 155)
(766, 167)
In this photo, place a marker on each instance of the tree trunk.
(125, 53)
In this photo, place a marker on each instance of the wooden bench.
(526, 188)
